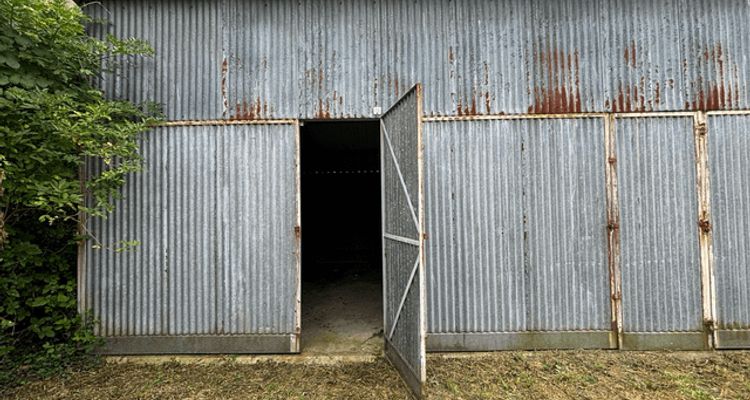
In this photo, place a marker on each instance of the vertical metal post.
(382, 226)
(82, 243)
(708, 294)
(422, 237)
(295, 346)
(613, 229)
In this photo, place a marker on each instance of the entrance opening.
(341, 241)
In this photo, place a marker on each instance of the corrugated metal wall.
(185, 74)
(660, 254)
(336, 59)
(516, 217)
(403, 268)
(214, 213)
(729, 157)
(517, 209)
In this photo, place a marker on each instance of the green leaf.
(10, 60)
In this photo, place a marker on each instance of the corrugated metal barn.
(546, 174)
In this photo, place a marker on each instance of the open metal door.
(404, 314)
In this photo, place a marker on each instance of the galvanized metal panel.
(403, 261)
(729, 166)
(645, 59)
(337, 59)
(660, 257)
(474, 202)
(261, 78)
(517, 226)
(185, 75)
(214, 213)
(401, 186)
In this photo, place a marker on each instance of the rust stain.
(324, 112)
(395, 86)
(630, 55)
(337, 98)
(622, 102)
(557, 90)
(253, 110)
(632, 98)
(487, 103)
(224, 73)
(466, 108)
(643, 96)
(450, 54)
(716, 93)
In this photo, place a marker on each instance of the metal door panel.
(660, 254)
(216, 269)
(404, 316)
(729, 166)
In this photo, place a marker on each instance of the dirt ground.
(343, 316)
(502, 375)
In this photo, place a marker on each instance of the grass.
(501, 375)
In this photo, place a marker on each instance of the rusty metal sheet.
(343, 59)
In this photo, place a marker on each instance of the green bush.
(52, 118)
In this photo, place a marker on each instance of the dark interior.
(341, 233)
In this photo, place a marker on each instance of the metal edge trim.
(203, 344)
(422, 272)
(656, 114)
(491, 341)
(493, 117)
(729, 112)
(703, 217)
(381, 134)
(613, 222)
(81, 248)
(296, 344)
(213, 122)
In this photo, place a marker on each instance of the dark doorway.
(341, 237)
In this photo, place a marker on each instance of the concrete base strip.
(521, 341)
(665, 341)
(245, 344)
(734, 339)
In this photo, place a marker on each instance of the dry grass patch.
(592, 375)
(501, 375)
